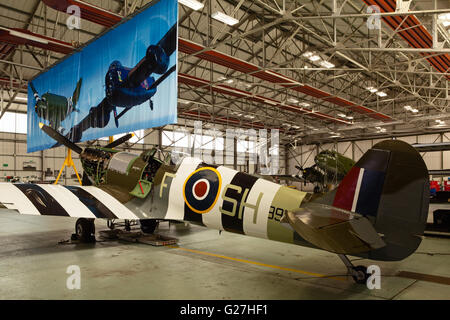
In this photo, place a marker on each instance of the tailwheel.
(148, 225)
(359, 274)
(85, 230)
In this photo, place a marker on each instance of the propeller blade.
(60, 138)
(119, 141)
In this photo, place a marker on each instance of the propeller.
(119, 141)
(60, 138)
(69, 144)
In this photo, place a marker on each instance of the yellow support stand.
(68, 162)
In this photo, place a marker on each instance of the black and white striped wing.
(57, 200)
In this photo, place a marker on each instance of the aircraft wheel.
(360, 275)
(85, 230)
(110, 224)
(148, 225)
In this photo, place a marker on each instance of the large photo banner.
(121, 82)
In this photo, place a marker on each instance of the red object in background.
(447, 185)
(435, 185)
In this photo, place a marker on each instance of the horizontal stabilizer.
(333, 229)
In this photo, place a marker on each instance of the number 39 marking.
(275, 213)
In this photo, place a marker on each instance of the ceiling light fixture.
(372, 89)
(327, 64)
(193, 4)
(222, 17)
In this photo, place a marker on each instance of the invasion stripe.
(235, 223)
(213, 219)
(117, 208)
(175, 210)
(95, 206)
(14, 199)
(268, 190)
(68, 201)
(42, 200)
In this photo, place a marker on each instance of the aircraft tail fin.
(388, 186)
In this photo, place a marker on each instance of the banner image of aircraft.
(378, 211)
(55, 108)
(129, 87)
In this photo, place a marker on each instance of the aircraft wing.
(144, 67)
(333, 229)
(58, 200)
(169, 41)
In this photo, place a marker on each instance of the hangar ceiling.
(313, 69)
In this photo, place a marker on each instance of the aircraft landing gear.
(85, 230)
(148, 225)
(358, 273)
(110, 223)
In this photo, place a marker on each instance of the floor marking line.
(318, 275)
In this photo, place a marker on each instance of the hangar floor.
(206, 265)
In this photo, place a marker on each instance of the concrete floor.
(205, 266)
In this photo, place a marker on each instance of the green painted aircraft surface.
(55, 108)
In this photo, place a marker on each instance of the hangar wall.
(303, 155)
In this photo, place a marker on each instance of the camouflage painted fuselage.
(233, 201)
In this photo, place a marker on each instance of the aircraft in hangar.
(329, 167)
(55, 108)
(129, 87)
(377, 212)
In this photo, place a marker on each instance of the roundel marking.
(201, 189)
